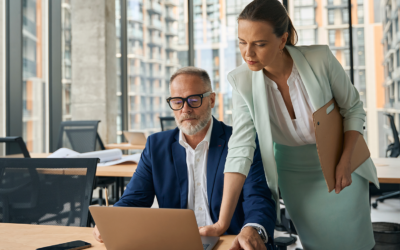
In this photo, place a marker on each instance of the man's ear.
(212, 99)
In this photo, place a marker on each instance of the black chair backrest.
(395, 147)
(46, 191)
(15, 147)
(80, 136)
(167, 123)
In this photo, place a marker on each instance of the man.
(184, 167)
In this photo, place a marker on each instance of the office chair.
(82, 136)
(46, 191)
(167, 123)
(394, 151)
(15, 147)
(286, 225)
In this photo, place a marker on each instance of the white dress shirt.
(196, 161)
(287, 131)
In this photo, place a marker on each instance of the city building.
(152, 34)
(391, 61)
(34, 87)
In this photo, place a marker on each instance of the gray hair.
(194, 71)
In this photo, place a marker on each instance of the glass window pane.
(66, 59)
(215, 52)
(157, 47)
(34, 77)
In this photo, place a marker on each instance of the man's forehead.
(190, 85)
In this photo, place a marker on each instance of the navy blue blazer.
(162, 172)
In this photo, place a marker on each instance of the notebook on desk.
(328, 124)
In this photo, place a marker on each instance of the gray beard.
(194, 129)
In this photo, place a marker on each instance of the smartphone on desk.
(73, 245)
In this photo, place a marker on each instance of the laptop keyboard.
(205, 246)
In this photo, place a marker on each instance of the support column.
(94, 65)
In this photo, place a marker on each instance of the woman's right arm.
(242, 142)
(242, 145)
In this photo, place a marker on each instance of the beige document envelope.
(328, 124)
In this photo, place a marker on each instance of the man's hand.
(343, 176)
(96, 234)
(248, 239)
(212, 230)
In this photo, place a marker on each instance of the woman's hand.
(343, 169)
(216, 229)
(343, 175)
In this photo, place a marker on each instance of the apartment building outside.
(34, 87)
(66, 40)
(391, 61)
(152, 34)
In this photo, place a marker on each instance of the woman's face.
(258, 44)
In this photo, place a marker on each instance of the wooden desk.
(388, 170)
(123, 146)
(31, 237)
(120, 170)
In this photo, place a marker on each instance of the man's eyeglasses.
(194, 101)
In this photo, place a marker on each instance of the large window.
(66, 40)
(34, 85)
(215, 52)
(154, 28)
(304, 15)
(156, 43)
(306, 36)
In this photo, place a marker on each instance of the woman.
(274, 95)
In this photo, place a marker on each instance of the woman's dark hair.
(274, 13)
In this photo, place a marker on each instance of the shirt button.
(198, 160)
(198, 183)
(200, 208)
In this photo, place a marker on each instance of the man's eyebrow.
(255, 41)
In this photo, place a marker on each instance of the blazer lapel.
(215, 150)
(179, 156)
(313, 87)
(263, 128)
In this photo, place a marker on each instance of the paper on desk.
(63, 153)
(107, 157)
(104, 155)
(133, 158)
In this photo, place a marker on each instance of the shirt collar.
(271, 83)
(207, 138)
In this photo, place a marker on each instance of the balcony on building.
(153, 7)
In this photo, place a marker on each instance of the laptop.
(149, 228)
(135, 138)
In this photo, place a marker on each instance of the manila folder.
(328, 124)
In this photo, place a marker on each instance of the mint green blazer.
(323, 77)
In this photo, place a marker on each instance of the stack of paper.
(107, 157)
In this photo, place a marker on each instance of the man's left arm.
(258, 205)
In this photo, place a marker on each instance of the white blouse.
(287, 131)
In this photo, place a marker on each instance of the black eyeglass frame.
(187, 98)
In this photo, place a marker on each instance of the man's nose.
(186, 108)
